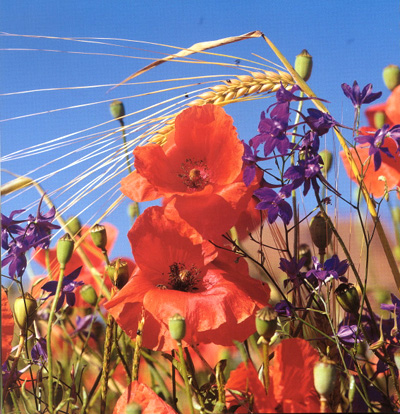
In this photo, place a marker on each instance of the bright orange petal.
(393, 106)
(7, 327)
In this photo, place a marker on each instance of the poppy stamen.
(182, 278)
(194, 174)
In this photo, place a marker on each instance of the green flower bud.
(325, 377)
(379, 119)
(303, 64)
(99, 236)
(391, 76)
(65, 248)
(25, 308)
(117, 110)
(133, 408)
(89, 295)
(266, 322)
(133, 210)
(327, 160)
(177, 327)
(305, 251)
(118, 272)
(321, 233)
(74, 225)
(348, 298)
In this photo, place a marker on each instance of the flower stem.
(265, 347)
(185, 377)
(138, 346)
(106, 362)
(125, 146)
(15, 363)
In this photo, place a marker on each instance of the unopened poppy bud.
(352, 388)
(25, 308)
(89, 295)
(133, 210)
(379, 119)
(348, 298)
(305, 251)
(321, 233)
(74, 225)
(133, 408)
(391, 76)
(266, 322)
(65, 248)
(303, 64)
(325, 377)
(117, 110)
(118, 272)
(177, 327)
(99, 236)
(327, 160)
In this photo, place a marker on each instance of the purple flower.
(82, 325)
(347, 334)
(358, 98)
(319, 122)
(284, 308)
(68, 287)
(249, 159)
(332, 267)
(275, 204)
(10, 226)
(395, 305)
(293, 269)
(16, 258)
(39, 352)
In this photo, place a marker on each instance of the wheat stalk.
(230, 91)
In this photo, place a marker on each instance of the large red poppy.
(7, 327)
(141, 394)
(199, 171)
(390, 167)
(177, 274)
(291, 387)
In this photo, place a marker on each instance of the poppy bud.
(89, 295)
(305, 251)
(348, 298)
(327, 160)
(117, 110)
(99, 236)
(25, 308)
(118, 272)
(177, 327)
(266, 322)
(391, 76)
(133, 210)
(133, 408)
(303, 64)
(325, 377)
(321, 233)
(379, 119)
(65, 248)
(74, 225)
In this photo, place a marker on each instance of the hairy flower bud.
(391, 76)
(303, 64)
(266, 322)
(25, 308)
(177, 327)
(327, 159)
(118, 272)
(74, 225)
(321, 233)
(99, 236)
(65, 248)
(348, 298)
(325, 377)
(89, 295)
(117, 110)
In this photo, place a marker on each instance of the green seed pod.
(65, 248)
(391, 76)
(25, 308)
(266, 322)
(133, 408)
(379, 119)
(89, 295)
(117, 110)
(303, 64)
(352, 388)
(74, 225)
(305, 251)
(177, 327)
(99, 236)
(325, 377)
(118, 272)
(348, 298)
(327, 161)
(321, 233)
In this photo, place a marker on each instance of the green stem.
(125, 146)
(185, 377)
(106, 362)
(265, 347)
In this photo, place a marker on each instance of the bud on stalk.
(25, 308)
(303, 65)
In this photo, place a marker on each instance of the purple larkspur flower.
(284, 308)
(293, 269)
(359, 97)
(332, 267)
(395, 305)
(68, 287)
(16, 257)
(83, 325)
(250, 159)
(10, 226)
(39, 352)
(349, 333)
(275, 204)
(320, 122)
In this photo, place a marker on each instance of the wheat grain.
(232, 90)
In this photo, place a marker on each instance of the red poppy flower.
(199, 171)
(393, 106)
(144, 396)
(291, 387)
(7, 327)
(390, 167)
(177, 274)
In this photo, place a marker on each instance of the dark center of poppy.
(182, 278)
(194, 174)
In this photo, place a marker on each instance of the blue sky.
(349, 40)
